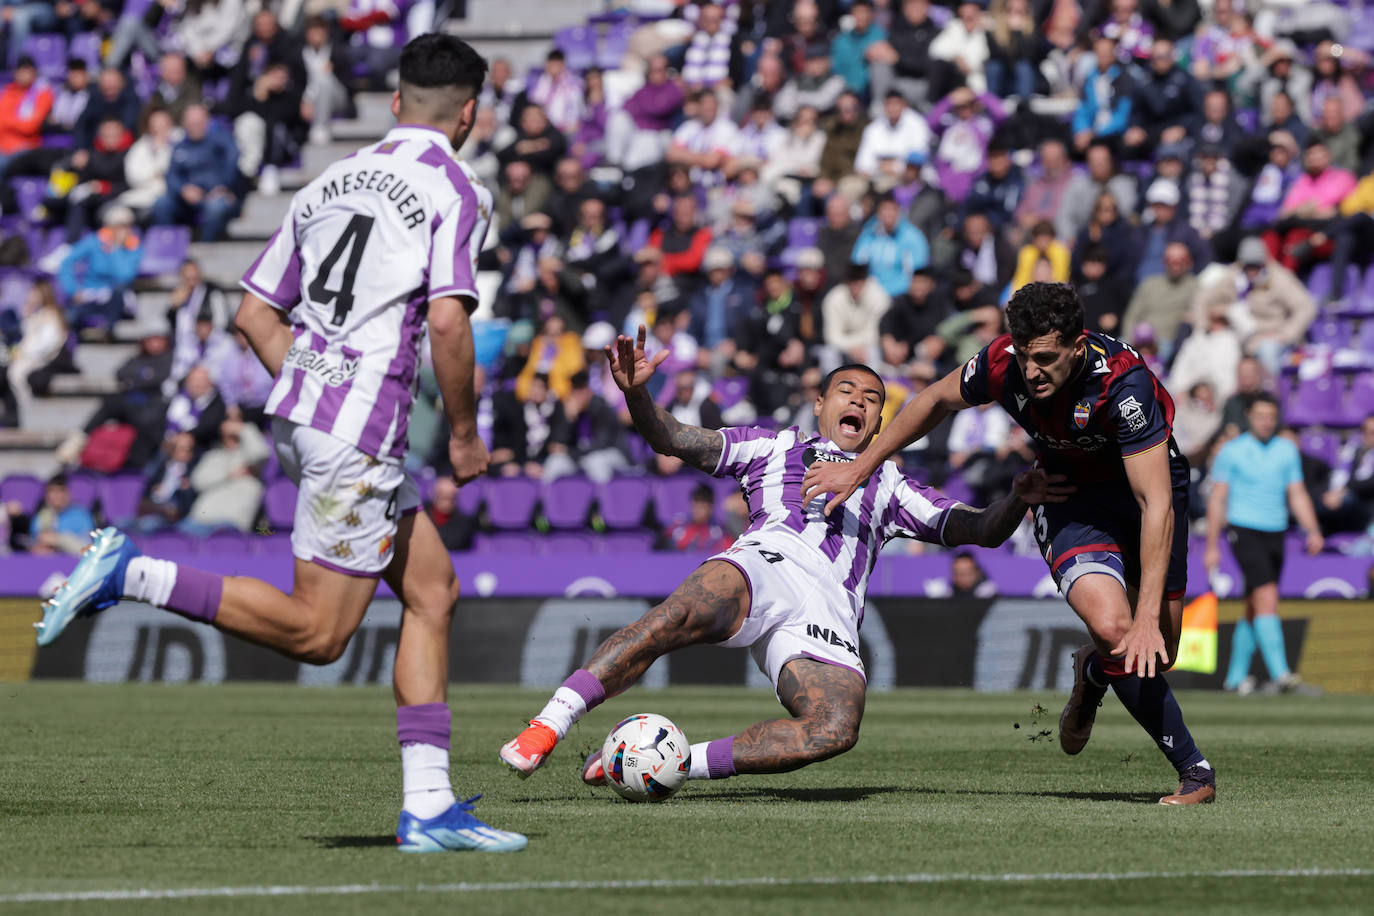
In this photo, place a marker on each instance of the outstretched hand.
(838, 478)
(630, 366)
(1141, 646)
(1034, 487)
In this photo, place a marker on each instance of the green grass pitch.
(944, 806)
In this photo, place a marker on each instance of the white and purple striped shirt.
(362, 251)
(770, 467)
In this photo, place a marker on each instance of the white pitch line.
(191, 893)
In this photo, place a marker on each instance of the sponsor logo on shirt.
(810, 455)
(1132, 413)
(319, 365)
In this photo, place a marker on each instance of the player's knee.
(834, 734)
(322, 648)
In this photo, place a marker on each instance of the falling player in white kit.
(380, 247)
(791, 588)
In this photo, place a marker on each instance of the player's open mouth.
(852, 423)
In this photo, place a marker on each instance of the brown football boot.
(1076, 721)
(1197, 786)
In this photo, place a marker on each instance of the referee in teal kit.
(1257, 478)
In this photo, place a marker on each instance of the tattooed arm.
(990, 527)
(631, 368)
(697, 447)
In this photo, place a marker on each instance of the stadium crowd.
(772, 188)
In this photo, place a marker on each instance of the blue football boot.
(95, 584)
(455, 829)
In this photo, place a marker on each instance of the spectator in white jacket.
(964, 43)
(147, 162)
(795, 157)
(1211, 354)
(852, 312)
(212, 32)
(44, 340)
(226, 481)
(889, 139)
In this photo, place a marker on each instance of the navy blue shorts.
(1097, 530)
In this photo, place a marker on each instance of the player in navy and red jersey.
(1099, 416)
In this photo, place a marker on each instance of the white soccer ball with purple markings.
(646, 758)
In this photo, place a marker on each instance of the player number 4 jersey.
(361, 252)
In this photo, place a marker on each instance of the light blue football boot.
(455, 829)
(95, 584)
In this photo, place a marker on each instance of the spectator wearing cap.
(1215, 192)
(1354, 232)
(704, 143)
(684, 240)
(1310, 210)
(849, 52)
(706, 64)
(891, 247)
(202, 179)
(537, 143)
(57, 525)
(997, 192)
(559, 92)
(717, 307)
(1341, 136)
(1277, 72)
(816, 85)
(1042, 245)
(844, 135)
(96, 274)
(24, 106)
(904, 63)
(328, 66)
(1162, 300)
(1275, 308)
(1084, 190)
(1014, 49)
(1166, 100)
(984, 253)
(113, 98)
(1044, 194)
(1102, 290)
(1168, 225)
(598, 336)
(638, 135)
(1331, 77)
(853, 311)
(889, 139)
(907, 330)
(963, 123)
(1105, 111)
(176, 87)
(963, 43)
(1211, 354)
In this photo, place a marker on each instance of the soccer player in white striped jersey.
(374, 252)
(791, 588)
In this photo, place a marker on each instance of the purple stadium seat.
(1319, 281)
(1359, 401)
(636, 237)
(578, 44)
(725, 488)
(164, 248)
(1366, 289)
(270, 545)
(729, 390)
(1315, 401)
(614, 44)
(1363, 339)
(568, 502)
(28, 193)
(802, 232)
(227, 544)
(25, 489)
(1248, 119)
(627, 542)
(623, 502)
(279, 501)
(45, 241)
(14, 289)
(166, 543)
(470, 497)
(956, 488)
(86, 46)
(509, 543)
(49, 52)
(568, 543)
(424, 483)
(510, 502)
(1323, 445)
(84, 489)
(673, 496)
(1329, 331)
(640, 452)
(119, 496)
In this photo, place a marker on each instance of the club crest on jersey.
(1081, 411)
(1132, 413)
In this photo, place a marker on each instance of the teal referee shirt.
(1258, 474)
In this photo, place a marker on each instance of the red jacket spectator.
(24, 106)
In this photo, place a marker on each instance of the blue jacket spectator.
(996, 192)
(1106, 107)
(847, 51)
(58, 526)
(718, 306)
(892, 248)
(97, 272)
(202, 179)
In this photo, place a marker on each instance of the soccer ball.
(646, 758)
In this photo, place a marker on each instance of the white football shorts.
(349, 502)
(794, 611)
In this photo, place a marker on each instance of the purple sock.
(583, 683)
(426, 723)
(720, 757)
(196, 594)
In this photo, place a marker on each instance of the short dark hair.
(555, 54)
(580, 379)
(702, 493)
(435, 60)
(57, 480)
(882, 386)
(1037, 309)
(1263, 397)
(1097, 252)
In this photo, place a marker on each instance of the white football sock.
(424, 770)
(150, 580)
(563, 709)
(699, 768)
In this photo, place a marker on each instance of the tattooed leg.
(709, 606)
(827, 703)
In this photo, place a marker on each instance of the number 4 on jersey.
(353, 240)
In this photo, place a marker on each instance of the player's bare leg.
(827, 704)
(1103, 605)
(312, 624)
(709, 606)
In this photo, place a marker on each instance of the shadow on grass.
(859, 793)
(352, 842)
(1133, 797)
